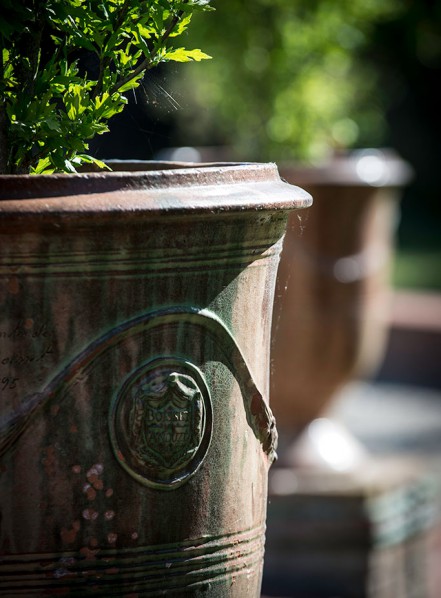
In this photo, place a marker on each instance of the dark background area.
(407, 53)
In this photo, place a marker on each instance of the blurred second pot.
(330, 317)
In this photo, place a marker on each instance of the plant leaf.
(183, 55)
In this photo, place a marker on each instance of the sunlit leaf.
(183, 55)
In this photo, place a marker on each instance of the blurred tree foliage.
(287, 79)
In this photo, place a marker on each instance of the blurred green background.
(300, 79)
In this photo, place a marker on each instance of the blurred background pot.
(135, 430)
(331, 312)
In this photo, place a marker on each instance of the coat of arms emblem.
(166, 422)
(160, 424)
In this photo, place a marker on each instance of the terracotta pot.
(332, 295)
(135, 429)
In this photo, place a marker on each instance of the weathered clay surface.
(135, 434)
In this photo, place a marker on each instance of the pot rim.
(365, 167)
(166, 187)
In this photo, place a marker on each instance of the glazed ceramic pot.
(332, 295)
(135, 431)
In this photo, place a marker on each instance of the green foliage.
(65, 66)
(288, 80)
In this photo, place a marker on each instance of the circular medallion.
(161, 422)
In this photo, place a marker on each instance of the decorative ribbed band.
(145, 571)
(132, 261)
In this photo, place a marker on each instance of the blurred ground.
(322, 543)
(390, 418)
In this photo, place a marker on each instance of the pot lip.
(366, 167)
(153, 187)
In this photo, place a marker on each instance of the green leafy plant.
(66, 65)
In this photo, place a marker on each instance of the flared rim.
(358, 168)
(133, 175)
(172, 187)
